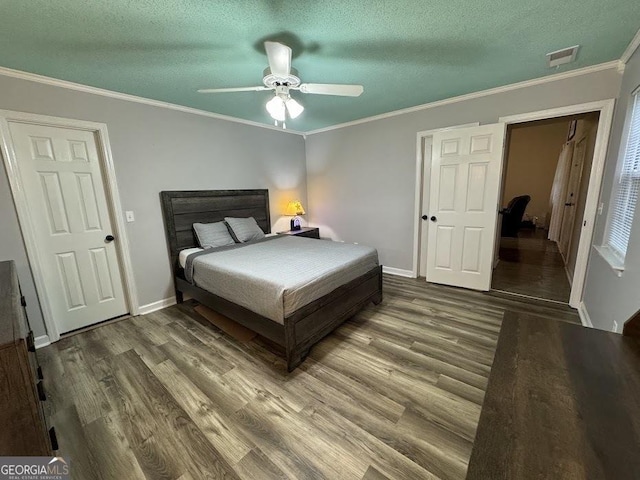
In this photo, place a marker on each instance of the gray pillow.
(212, 235)
(245, 229)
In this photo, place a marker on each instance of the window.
(626, 190)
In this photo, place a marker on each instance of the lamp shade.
(276, 109)
(294, 208)
(293, 107)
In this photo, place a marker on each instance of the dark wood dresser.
(24, 429)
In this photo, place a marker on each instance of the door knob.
(109, 238)
(433, 218)
(425, 217)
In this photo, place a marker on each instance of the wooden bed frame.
(302, 329)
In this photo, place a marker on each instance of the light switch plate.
(129, 216)
(600, 208)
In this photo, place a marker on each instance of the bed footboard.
(313, 322)
(308, 325)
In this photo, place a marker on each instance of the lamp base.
(295, 223)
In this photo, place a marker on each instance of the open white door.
(465, 183)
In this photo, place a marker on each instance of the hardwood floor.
(531, 265)
(395, 392)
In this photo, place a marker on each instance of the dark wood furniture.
(512, 215)
(24, 427)
(302, 329)
(308, 232)
(563, 401)
(632, 326)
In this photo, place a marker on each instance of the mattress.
(276, 276)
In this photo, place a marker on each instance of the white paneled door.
(63, 184)
(463, 205)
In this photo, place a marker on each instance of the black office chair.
(513, 214)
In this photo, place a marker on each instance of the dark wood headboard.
(182, 209)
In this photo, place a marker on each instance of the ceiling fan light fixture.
(294, 108)
(280, 77)
(276, 108)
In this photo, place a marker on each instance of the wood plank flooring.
(394, 393)
(531, 265)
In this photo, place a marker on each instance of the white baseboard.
(584, 315)
(159, 305)
(42, 341)
(398, 271)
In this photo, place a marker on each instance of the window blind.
(626, 195)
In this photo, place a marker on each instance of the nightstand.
(304, 232)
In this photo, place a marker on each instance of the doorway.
(585, 224)
(545, 180)
(63, 184)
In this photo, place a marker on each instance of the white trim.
(398, 272)
(470, 96)
(556, 112)
(118, 219)
(417, 204)
(631, 48)
(605, 107)
(42, 341)
(155, 306)
(584, 315)
(613, 260)
(26, 221)
(33, 77)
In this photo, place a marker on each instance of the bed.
(332, 284)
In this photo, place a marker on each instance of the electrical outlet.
(129, 216)
(615, 326)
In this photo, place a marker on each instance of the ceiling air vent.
(560, 57)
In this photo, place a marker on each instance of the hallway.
(531, 265)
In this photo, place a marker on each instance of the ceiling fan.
(282, 78)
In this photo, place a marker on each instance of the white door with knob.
(463, 205)
(60, 172)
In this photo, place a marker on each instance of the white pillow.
(245, 229)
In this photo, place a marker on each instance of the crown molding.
(617, 64)
(482, 93)
(631, 48)
(33, 77)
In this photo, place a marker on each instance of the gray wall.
(156, 149)
(360, 179)
(610, 298)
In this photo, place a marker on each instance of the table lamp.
(294, 208)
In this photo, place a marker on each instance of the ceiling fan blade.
(279, 56)
(332, 89)
(234, 89)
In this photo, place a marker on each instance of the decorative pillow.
(211, 235)
(245, 229)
